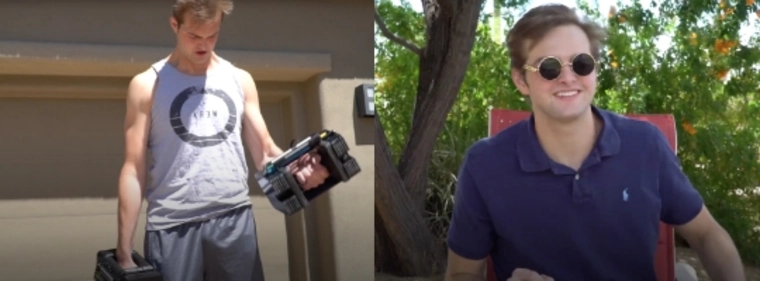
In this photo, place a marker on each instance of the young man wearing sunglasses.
(574, 192)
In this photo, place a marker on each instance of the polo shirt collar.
(533, 158)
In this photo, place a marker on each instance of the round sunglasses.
(551, 67)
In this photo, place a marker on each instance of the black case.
(107, 269)
(282, 188)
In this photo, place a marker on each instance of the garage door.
(59, 165)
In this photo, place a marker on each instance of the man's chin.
(565, 115)
(572, 116)
(199, 60)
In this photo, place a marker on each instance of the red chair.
(499, 119)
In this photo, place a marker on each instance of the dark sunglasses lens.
(583, 64)
(550, 68)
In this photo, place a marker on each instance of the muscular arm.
(132, 176)
(255, 133)
(714, 246)
(683, 207)
(459, 268)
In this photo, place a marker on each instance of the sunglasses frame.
(562, 65)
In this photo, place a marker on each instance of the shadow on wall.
(63, 149)
(60, 148)
(320, 25)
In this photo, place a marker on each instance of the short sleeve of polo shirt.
(471, 233)
(681, 202)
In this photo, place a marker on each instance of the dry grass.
(682, 255)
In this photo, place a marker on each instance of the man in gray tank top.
(191, 113)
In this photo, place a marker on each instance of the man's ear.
(518, 77)
(174, 24)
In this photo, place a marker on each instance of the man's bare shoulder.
(246, 83)
(142, 84)
(243, 75)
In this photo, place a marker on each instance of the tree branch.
(394, 38)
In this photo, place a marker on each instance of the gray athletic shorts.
(224, 248)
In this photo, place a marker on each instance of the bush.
(707, 79)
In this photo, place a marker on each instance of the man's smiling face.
(569, 95)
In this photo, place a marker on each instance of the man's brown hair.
(537, 22)
(203, 10)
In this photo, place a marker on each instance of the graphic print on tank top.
(203, 117)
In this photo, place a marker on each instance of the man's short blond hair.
(204, 10)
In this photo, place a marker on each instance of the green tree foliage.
(707, 78)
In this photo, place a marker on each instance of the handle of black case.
(142, 264)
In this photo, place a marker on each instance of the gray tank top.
(199, 167)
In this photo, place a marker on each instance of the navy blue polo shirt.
(515, 204)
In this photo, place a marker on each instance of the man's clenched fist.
(309, 171)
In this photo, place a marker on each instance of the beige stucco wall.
(346, 216)
(63, 72)
(60, 165)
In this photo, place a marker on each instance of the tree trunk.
(443, 64)
(405, 244)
